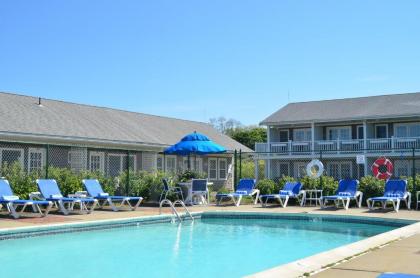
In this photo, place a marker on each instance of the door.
(284, 135)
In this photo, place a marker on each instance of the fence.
(124, 171)
(275, 165)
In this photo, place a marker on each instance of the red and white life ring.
(382, 168)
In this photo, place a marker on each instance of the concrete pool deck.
(401, 253)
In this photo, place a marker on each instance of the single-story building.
(85, 137)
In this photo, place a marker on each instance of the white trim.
(387, 131)
(43, 157)
(21, 159)
(329, 128)
(101, 160)
(225, 169)
(216, 169)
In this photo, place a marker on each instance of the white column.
(268, 164)
(364, 135)
(256, 169)
(313, 137)
(365, 146)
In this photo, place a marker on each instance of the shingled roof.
(58, 119)
(361, 108)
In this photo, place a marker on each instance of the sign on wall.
(360, 159)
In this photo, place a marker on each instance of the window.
(279, 169)
(300, 169)
(96, 161)
(10, 156)
(360, 132)
(148, 161)
(36, 159)
(407, 130)
(77, 159)
(170, 163)
(213, 168)
(284, 136)
(159, 162)
(404, 168)
(117, 163)
(340, 170)
(339, 133)
(381, 131)
(222, 168)
(196, 164)
(302, 134)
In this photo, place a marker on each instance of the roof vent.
(40, 101)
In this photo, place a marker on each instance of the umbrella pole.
(189, 163)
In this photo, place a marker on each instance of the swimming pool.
(225, 245)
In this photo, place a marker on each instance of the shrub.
(21, 182)
(68, 181)
(189, 175)
(142, 183)
(266, 186)
(329, 185)
(371, 187)
(248, 169)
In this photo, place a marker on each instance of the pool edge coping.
(320, 261)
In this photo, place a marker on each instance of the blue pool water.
(203, 248)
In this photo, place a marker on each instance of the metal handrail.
(174, 211)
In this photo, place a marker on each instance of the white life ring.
(314, 169)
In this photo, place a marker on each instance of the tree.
(248, 136)
(224, 125)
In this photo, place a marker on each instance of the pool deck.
(402, 255)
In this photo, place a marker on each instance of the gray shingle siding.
(22, 116)
(375, 107)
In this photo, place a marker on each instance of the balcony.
(339, 146)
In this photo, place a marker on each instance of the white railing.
(340, 146)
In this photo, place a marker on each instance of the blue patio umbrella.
(195, 143)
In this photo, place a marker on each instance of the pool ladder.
(174, 211)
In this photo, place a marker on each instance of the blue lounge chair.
(49, 191)
(397, 275)
(246, 187)
(347, 191)
(395, 192)
(199, 189)
(167, 189)
(290, 190)
(12, 202)
(94, 189)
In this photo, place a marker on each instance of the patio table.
(313, 195)
(188, 199)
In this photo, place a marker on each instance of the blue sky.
(201, 59)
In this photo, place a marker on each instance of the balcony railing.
(339, 146)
